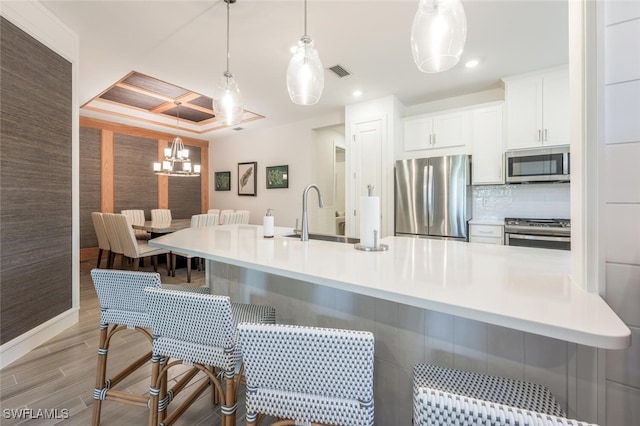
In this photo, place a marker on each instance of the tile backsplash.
(539, 201)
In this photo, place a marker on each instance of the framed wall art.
(277, 177)
(247, 178)
(222, 181)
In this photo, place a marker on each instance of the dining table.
(157, 229)
(164, 227)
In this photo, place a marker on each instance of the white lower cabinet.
(487, 234)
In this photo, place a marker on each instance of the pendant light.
(305, 75)
(438, 34)
(176, 160)
(227, 100)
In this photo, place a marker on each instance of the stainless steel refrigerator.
(433, 197)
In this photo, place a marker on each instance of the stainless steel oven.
(540, 233)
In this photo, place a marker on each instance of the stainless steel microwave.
(538, 165)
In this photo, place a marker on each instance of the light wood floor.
(60, 374)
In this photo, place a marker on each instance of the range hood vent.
(339, 71)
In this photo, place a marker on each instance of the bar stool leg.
(101, 373)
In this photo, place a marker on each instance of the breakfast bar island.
(500, 310)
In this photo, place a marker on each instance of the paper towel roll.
(369, 220)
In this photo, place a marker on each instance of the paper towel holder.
(376, 246)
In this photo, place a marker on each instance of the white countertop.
(521, 288)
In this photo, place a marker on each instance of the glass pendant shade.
(305, 75)
(438, 34)
(227, 100)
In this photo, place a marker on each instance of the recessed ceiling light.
(472, 63)
(357, 93)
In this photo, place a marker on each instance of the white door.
(366, 161)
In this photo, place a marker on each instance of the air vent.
(339, 71)
(237, 129)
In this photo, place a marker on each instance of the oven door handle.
(539, 238)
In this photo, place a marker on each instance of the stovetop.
(557, 227)
(538, 223)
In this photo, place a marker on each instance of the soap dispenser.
(267, 224)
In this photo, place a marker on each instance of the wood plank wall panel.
(135, 184)
(35, 183)
(90, 194)
(184, 192)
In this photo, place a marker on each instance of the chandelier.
(176, 160)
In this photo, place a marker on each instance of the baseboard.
(21, 345)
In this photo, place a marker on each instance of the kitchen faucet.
(304, 235)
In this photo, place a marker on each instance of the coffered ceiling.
(183, 43)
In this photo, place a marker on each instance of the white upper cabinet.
(487, 150)
(437, 131)
(537, 109)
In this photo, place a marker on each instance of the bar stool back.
(198, 330)
(444, 396)
(309, 375)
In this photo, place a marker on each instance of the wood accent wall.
(35, 183)
(126, 177)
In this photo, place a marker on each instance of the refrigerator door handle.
(429, 198)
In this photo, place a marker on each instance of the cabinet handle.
(539, 135)
(545, 135)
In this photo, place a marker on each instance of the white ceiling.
(183, 42)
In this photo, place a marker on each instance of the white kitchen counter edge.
(524, 289)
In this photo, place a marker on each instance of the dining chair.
(197, 220)
(242, 216)
(444, 396)
(137, 249)
(114, 239)
(161, 217)
(214, 211)
(136, 217)
(308, 375)
(103, 238)
(199, 331)
(224, 216)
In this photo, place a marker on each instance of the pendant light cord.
(305, 18)
(228, 5)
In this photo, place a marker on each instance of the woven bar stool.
(443, 396)
(123, 306)
(198, 330)
(306, 375)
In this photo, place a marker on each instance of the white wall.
(291, 145)
(621, 193)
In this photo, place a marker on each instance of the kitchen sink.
(326, 237)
